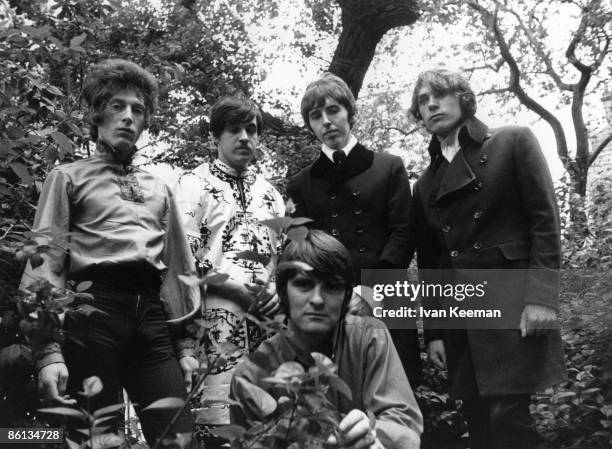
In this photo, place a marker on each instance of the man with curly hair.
(122, 229)
(486, 202)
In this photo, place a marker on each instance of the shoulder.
(363, 327)
(194, 176)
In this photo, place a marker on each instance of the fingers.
(188, 381)
(271, 306)
(356, 429)
(437, 354)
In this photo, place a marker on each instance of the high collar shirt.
(97, 212)
(222, 211)
(369, 364)
(346, 149)
(449, 146)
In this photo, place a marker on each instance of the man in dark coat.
(360, 197)
(487, 201)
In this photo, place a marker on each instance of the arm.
(540, 205)
(293, 192)
(387, 392)
(52, 221)
(397, 252)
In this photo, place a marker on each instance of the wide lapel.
(459, 173)
(358, 161)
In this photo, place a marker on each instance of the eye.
(314, 115)
(334, 287)
(138, 110)
(303, 283)
(333, 109)
(251, 130)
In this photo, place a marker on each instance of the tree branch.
(603, 144)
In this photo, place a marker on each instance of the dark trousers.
(501, 422)
(127, 344)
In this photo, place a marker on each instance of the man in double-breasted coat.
(487, 201)
(359, 197)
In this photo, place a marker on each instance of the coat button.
(359, 230)
(335, 232)
(478, 185)
(484, 158)
(477, 215)
(332, 196)
(446, 228)
(334, 215)
(454, 253)
(477, 245)
(362, 249)
(356, 192)
(357, 211)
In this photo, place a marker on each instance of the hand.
(270, 304)
(357, 432)
(188, 364)
(536, 319)
(436, 353)
(52, 381)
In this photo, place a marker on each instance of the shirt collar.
(449, 145)
(246, 174)
(107, 153)
(347, 148)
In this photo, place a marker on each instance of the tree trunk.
(364, 23)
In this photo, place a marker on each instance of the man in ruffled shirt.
(222, 205)
(123, 233)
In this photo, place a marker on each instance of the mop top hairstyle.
(331, 86)
(112, 76)
(326, 255)
(444, 82)
(233, 110)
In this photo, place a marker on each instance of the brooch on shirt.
(130, 189)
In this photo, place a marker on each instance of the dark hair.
(232, 110)
(112, 76)
(328, 85)
(326, 255)
(443, 82)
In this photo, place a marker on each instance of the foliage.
(291, 406)
(526, 61)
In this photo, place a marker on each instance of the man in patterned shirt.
(221, 205)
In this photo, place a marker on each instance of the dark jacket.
(365, 205)
(494, 207)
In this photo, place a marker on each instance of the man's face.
(315, 304)
(330, 123)
(123, 120)
(441, 114)
(237, 143)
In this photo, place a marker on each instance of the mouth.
(330, 133)
(436, 116)
(247, 149)
(126, 131)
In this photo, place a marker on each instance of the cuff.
(51, 353)
(185, 347)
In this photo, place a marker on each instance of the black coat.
(494, 207)
(366, 206)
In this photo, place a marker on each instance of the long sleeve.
(387, 393)
(180, 290)
(52, 224)
(397, 251)
(540, 205)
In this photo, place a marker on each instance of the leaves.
(78, 40)
(64, 143)
(165, 403)
(255, 398)
(20, 170)
(65, 411)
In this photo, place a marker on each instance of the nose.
(325, 119)
(243, 136)
(316, 296)
(128, 115)
(432, 103)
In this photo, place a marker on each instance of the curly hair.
(443, 82)
(327, 85)
(111, 76)
(232, 110)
